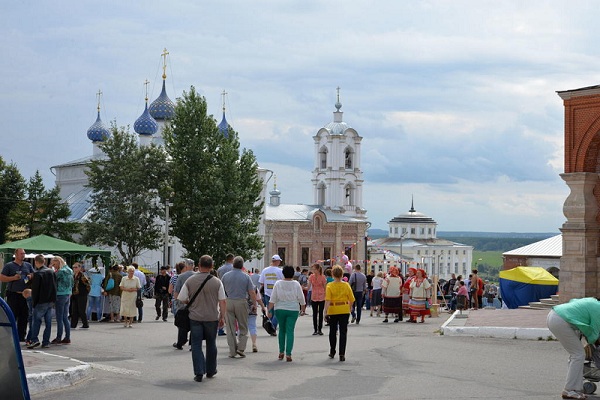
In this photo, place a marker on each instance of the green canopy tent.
(44, 244)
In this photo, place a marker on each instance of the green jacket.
(582, 314)
(64, 281)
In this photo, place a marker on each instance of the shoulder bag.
(182, 317)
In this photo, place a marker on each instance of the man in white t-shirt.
(267, 279)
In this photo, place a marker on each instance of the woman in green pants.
(287, 299)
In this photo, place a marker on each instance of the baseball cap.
(276, 257)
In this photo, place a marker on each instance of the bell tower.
(337, 177)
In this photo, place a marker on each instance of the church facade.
(336, 224)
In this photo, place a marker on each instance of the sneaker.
(177, 347)
(241, 353)
(85, 327)
(254, 350)
(66, 341)
(34, 345)
(55, 341)
(164, 320)
(353, 319)
(157, 318)
(198, 378)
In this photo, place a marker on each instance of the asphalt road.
(383, 361)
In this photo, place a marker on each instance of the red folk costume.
(406, 289)
(419, 297)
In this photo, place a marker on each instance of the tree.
(126, 207)
(12, 187)
(215, 187)
(42, 212)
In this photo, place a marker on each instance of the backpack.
(110, 284)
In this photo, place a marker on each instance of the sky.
(455, 100)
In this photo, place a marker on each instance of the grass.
(491, 258)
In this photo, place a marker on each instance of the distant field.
(493, 258)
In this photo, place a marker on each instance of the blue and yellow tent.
(521, 285)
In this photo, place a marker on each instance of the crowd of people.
(472, 293)
(35, 293)
(224, 301)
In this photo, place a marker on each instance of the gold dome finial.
(99, 96)
(164, 55)
(146, 82)
(223, 94)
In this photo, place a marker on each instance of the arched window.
(321, 194)
(348, 164)
(323, 158)
(349, 195)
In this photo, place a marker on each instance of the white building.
(412, 242)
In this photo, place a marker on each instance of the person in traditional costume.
(419, 300)
(392, 294)
(406, 290)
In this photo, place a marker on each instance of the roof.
(551, 247)
(406, 243)
(48, 244)
(80, 161)
(79, 204)
(304, 212)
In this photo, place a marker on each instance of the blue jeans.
(274, 318)
(357, 305)
(94, 304)
(62, 316)
(30, 319)
(204, 330)
(42, 311)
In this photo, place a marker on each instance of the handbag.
(268, 325)
(182, 317)
(110, 284)
(139, 302)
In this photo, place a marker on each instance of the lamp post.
(402, 263)
(166, 233)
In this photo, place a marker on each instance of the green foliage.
(42, 212)
(126, 205)
(12, 189)
(216, 189)
(489, 264)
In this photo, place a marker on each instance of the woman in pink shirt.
(317, 283)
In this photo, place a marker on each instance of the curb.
(44, 381)
(499, 332)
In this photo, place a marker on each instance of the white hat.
(276, 258)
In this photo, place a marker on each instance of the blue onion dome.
(98, 131)
(145, 124)
(224, 126)
(162, 107)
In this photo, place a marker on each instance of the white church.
(336, 224)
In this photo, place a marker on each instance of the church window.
(348, 159)
(318, 224)
(422, 231)
(349, 195)
(395, 230)
(412, 231)
(404, 231)
(391, 229)
(321, 194)
(326, 255)
(281, 252)
(305, 256)
(323, 158)
(429, 231)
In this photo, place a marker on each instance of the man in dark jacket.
(43, 294)
(161, 293)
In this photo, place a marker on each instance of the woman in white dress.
(129, 287)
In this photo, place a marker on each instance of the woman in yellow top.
(338, 300)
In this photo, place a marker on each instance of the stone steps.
(543, 304)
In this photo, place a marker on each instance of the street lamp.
(402, 263)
